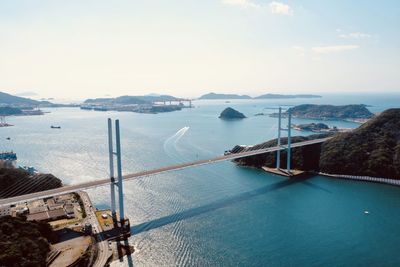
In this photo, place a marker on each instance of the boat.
(8, 156)
(8, 138)
(100, 108)
(55, 127)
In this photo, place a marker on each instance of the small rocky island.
(373, 149)
(231, 114)
(314, 127)
(358, 113)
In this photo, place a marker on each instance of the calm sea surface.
(221, 214)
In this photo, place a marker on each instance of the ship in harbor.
(8, 156)
(86, 107)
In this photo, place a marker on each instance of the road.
(102, 182)
(104, 250)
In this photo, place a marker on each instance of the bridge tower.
(289, 142)
(117, 183)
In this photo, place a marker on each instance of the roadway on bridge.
(102, 182)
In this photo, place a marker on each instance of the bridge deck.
(102, 182)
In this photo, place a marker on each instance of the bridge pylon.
(117, 183)
(289, 141)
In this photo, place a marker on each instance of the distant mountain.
(279, 96)
(310, 111)
(7, 99)
(265, 96)
(224, 96)
(127, 100)
(27, 94)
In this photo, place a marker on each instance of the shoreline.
(379, 180)
(362, 178)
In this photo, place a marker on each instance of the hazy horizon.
(78, 50)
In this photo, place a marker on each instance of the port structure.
(113, 183)
(289, 141)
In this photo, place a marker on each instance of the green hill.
(129, 100)
(373, 149)
(311, 111)
(24, 243)
(303, 158)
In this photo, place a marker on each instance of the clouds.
(333, 48)
(319, 50)
(280, 8)
(355, 35)
(274, 7)
(241, 3)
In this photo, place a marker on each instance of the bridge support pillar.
(119, 172)
(278, 152)
(111, 160)
(289, 141)
(117, 183)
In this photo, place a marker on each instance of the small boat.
(366, 212)
(8, 138)
(55, 127)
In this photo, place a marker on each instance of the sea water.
(220, 214)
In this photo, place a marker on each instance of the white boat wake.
(171, 144)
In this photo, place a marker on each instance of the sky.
(78, 49)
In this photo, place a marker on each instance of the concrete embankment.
(363, 178)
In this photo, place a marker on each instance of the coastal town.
(84, 234)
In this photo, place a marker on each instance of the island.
(211, 96)
(11, 100)
(8, 100)
(141, 104)
(224, 96)
(281, 96)
(231, 114)
(11, 105)
(358, 113)
(373, 149)
(317, 128)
